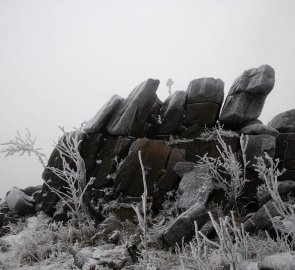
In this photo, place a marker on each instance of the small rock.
(258, 129)
(183, 227)
(183, 167)
(19, 202)
(260, 219)
(280, 261)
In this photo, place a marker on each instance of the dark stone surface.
(258, 145)
(155, 156)
(102, 155)
(258, 129)
(260, 219)
(194, 148)
(246, 97)
(182, 228)
(130, 117)
(31, 190)
(46, 199)
(169, 179)
(99, 121)
(286, 189)
(183, 167)
(205, 90)
(287, 175)
(284, 122)
(192, 132)
(172, 113)
(285, 150)
(205, 113)
(195, 186)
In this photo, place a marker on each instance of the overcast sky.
(60, 61)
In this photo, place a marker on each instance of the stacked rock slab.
(99, 121)
(246, 97)
(203, 103)
(102, 155)
(158, 159)
(285, 142)
(131, 115)
(172, 113)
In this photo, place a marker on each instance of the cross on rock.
(169, 83)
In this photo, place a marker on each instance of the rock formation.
(169, 136)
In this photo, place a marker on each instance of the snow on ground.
(9, 259)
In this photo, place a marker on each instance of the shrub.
(73, 172)
(42, 241)
(227, 170)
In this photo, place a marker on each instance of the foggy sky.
(60, 61)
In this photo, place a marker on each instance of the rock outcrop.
(246, 97)
(130, 117)
(168, 136)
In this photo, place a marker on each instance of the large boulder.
(172, 113)
(195, 186)
(20, 203)
(102, 156)
(204, 99)
(205, 90)
(258, 145)
(284, 122)
(99, 121)
(183, 228)
(246, 97)
(131, 115)
(158, 159)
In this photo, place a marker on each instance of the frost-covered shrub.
(72, 174)
(215, 132)
(42, 240)
(227, 170)
(284, 223)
